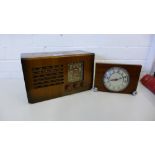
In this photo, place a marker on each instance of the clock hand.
(117, 79)
(113, 79)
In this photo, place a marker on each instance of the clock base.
(134, 93)
(95, 89)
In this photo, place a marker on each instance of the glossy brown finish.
(46, 74)
(133, 70)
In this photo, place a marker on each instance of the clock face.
(116, 79)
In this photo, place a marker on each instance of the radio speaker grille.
(46, 76)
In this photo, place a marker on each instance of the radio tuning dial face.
(116, 79)
(75, 72)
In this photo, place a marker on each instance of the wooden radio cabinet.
(55, 74)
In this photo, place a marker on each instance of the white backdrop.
(133, 49)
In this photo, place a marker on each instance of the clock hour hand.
(117, 79)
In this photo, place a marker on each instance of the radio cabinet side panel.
(89, 72)
(26, 65)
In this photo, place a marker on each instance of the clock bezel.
(118, 68)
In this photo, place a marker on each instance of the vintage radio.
(51, 75)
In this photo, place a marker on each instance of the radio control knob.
(77, 85)
(68, 87)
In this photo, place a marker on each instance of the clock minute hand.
(114, 79)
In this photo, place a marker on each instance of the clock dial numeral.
(116, 79)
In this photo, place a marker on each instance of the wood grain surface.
(133, 70)
(46, 74)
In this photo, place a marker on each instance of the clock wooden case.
(51, 75)
(119, 78)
